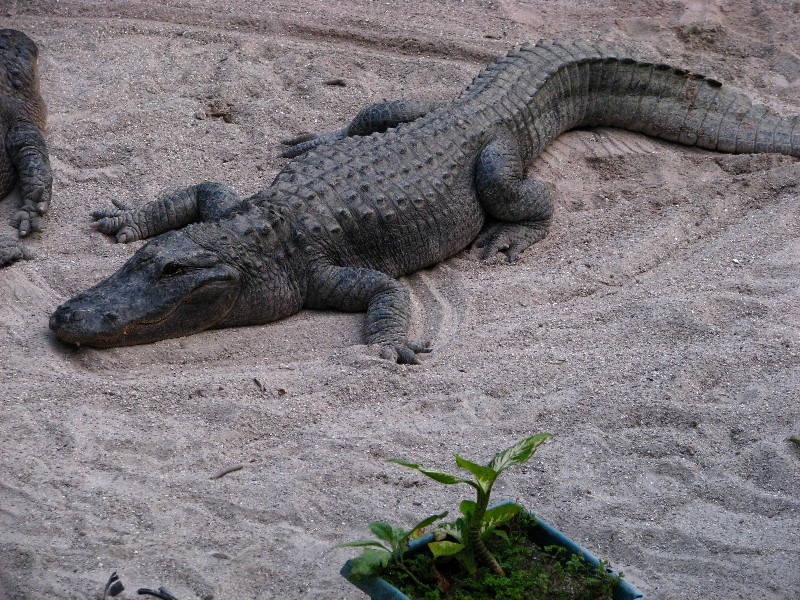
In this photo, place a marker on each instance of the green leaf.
(443, 477)
(496, 516)
(402, 462)
(795, 439)
(445, 548)
(502, 534)
(457, 530)
(383, 531)
(485, 476)
(400, 537)
(425, 522)
(434, 474)
(361, 543)
(518, 453)
(368, 565)
(467, 508)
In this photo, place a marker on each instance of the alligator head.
(180, 283)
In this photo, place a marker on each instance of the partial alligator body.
(405, 186)
(23, 160)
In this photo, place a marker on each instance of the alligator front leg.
(202, 202)
(384, 298)
(372, 119)
(28, 152)
(520, 208)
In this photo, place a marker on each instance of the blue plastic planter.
(545, 535)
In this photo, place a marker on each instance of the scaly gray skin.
(356, 210)
(23, 116)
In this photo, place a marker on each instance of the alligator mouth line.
(188, 297)
(174, 309)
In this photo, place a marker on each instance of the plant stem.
(417, 582)
(475, 532)
(483, 552)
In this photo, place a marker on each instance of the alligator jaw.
(77, 322)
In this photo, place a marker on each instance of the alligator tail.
(555, 86)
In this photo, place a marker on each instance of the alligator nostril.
(78, 315)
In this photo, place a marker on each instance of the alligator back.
(405, 199)
(395, 202)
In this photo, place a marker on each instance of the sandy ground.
(656, 331)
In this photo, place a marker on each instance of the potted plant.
(487, 552)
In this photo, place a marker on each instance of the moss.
(532, 572)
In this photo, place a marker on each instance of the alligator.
(25, 162)
(403, 187)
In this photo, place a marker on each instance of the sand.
(655, 331)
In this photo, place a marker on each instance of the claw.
(108, 225)
(298, 149)
(121, 204)
(513, 252)
(404, 353)
(406, 356)
(303, 137)
(509, 238)
(22, 221)
(308, 141)
(36, 223)
(420, 346)
(112, 222)
(106, 213)
(128, 234)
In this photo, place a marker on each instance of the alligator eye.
(173, 268)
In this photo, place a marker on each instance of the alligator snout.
(67, 315)
(80, 324)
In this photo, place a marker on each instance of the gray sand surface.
(655, 331)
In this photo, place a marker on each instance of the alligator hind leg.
(202, 202)
(519, 208)
(372, 119)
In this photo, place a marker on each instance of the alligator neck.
(258, 244)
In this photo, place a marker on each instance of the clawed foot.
(11, 251)
(117, 221)
(509, 238)
(27, 220)
(26, 149)
(306, 141)
(404, 353)
(35, 203)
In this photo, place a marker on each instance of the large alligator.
(405, 186)
(25, 161)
